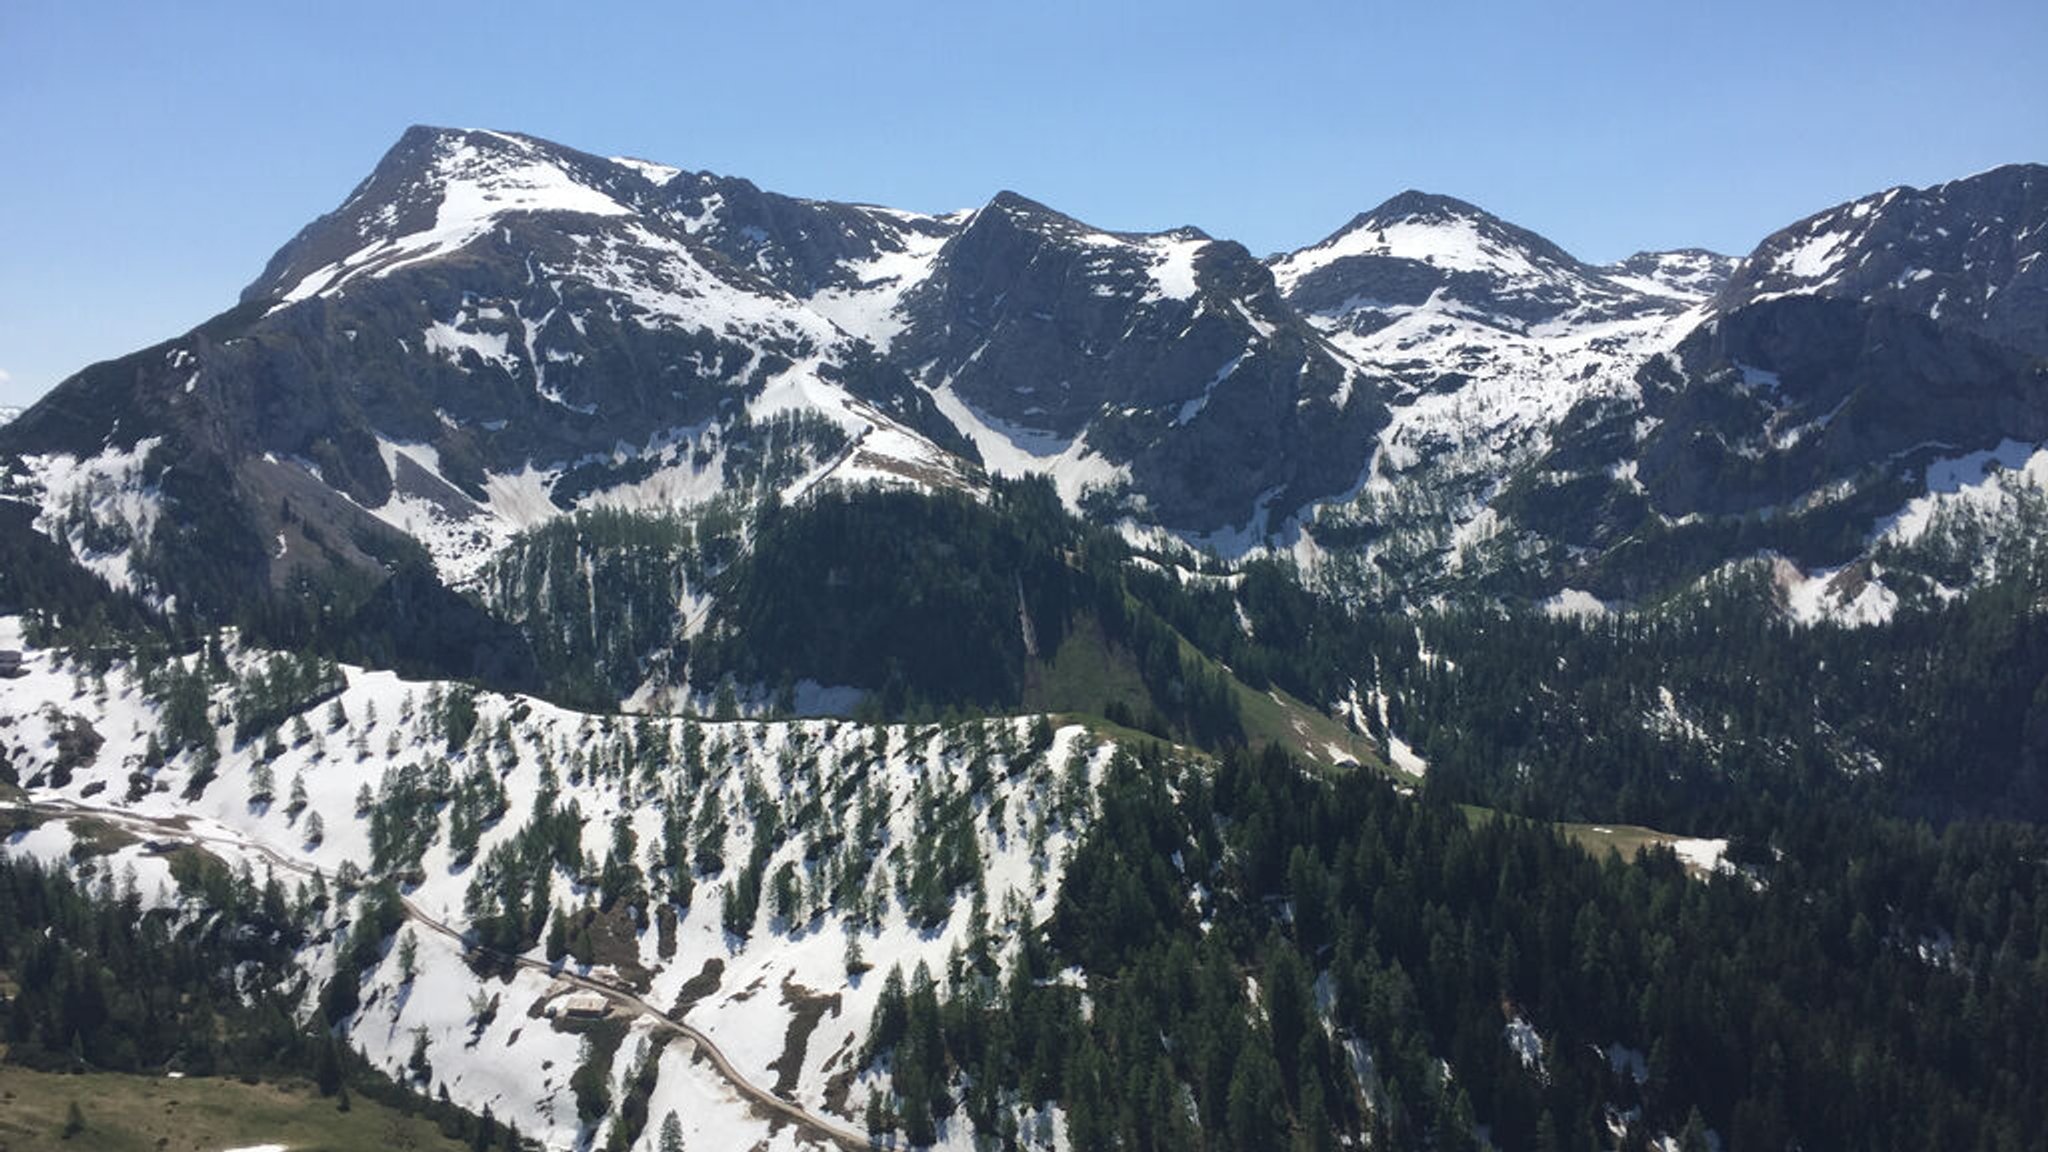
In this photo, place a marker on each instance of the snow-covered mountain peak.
(1495, 334)
(492, 330)
(1421, 251)
(1150, 266)
(1439, 231)
(1128, 362)
(1016, 204)
(436, 191)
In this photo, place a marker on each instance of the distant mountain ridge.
(493, 330)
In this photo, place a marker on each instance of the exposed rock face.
(1169, 354)
(492, 329)
(486, 320)
(1777, 399)
(1966, 254)
(1845, 355)
(1686, 274)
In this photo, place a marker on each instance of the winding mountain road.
(182, 829)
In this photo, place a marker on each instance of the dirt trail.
(180, 828)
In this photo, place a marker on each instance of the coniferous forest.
(1248, 949)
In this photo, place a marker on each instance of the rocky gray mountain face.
(1966, 254)
(1171, 357)
(1851, 363)
(492, 330)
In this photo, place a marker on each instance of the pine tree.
(558, 937)
(417, 1063)
(1693, 1138)
(590, 1083)
(327, 1066)
(881, 1124)
(892, 1017)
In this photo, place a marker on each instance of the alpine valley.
(591, 654)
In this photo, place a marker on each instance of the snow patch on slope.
(459, 534)
(450, 341)
(1173, 265)
(666, 285)
(655, 173)
(1013, 450)
(99, 508)
(882, 451)
(1702, 855)
(871, 309)
(1853, 595)
(1985, 483)
(1814, 257)
(1574, 604)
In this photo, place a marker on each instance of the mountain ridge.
(491, 330)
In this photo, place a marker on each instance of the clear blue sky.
(153, 155)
